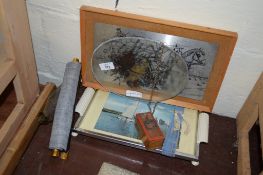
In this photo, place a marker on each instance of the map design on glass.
(140, 64)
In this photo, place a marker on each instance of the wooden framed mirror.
(206, 51)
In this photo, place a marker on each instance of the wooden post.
(19, 143)
(17, 65)
(251, 111)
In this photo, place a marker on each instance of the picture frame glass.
(198, 57)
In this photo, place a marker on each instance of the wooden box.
(149, 131)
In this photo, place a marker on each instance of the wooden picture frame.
(225, 42)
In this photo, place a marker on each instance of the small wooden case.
(149, 131)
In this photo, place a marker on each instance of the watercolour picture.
(118, 115)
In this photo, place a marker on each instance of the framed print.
(111, 117)
(122, 51)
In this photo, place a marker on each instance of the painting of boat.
(111, 111)
(118, 115)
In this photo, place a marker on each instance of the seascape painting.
(198, 57)
(118, 115)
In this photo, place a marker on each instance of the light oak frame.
(226, 42)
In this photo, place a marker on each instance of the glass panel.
(198, 55)
(141, 65)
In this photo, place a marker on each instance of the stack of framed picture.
(111, 117)
(167, 62)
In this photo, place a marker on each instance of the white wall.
(56, 36)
